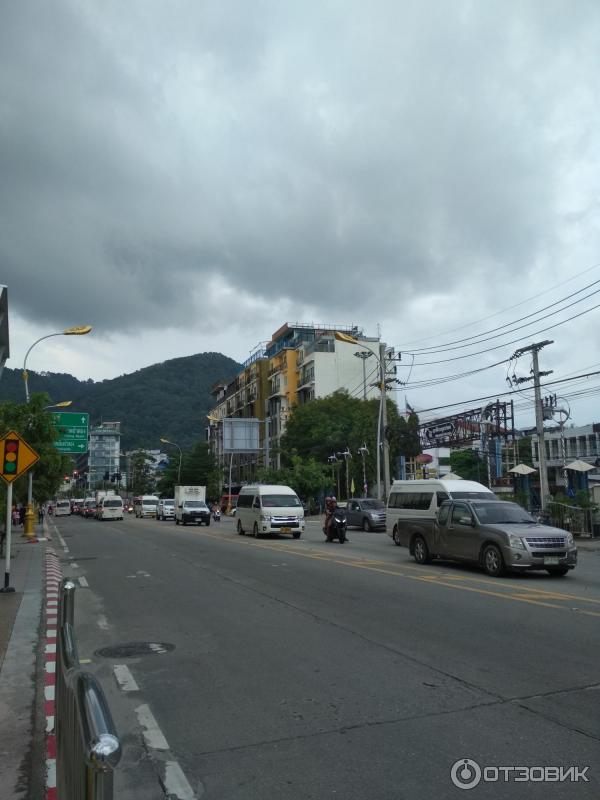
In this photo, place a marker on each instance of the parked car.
(496, 534)
(366, 513)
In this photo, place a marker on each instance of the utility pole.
(534, 349)
(385, 447)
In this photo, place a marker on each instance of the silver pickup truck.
(496, 534)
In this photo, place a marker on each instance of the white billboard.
(241, 435)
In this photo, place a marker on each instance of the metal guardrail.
(87, 745)
(576, 520)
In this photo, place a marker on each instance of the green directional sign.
(72, 431)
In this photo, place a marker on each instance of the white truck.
(190, 505)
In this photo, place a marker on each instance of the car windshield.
(195, 504)
(472, 495)
(149, 502)
(372, 504)
(280, 501)
(502, 512)
(168, 502)
(63, 504)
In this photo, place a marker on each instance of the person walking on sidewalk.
(15, 516)
(41, 514)
(22, 515)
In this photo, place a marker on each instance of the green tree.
(141, 479)
(468, 465)
(198, 468)
(34, 424)
(328, 425)
(307, 478)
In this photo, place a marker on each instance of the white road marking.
(61, 540)
(51, 633)
(102, 622)
(51, 773)
(152, 733)
(176, 783)
(125, 679)
(157, 648)
(75, 565)
(83, 582)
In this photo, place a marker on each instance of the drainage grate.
(134, 649)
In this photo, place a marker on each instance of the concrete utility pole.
(539, 414)
(385, 447)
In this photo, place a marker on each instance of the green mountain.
(169, 399)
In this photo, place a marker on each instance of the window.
(441, 496)
(460, 513)
(245, 500)
(443, 514)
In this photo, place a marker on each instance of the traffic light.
(11, 453)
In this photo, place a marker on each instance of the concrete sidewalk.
(22, 749)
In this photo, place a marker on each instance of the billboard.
(241, 435)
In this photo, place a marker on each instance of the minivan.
(111, 507)
(267, 509)
(412, 505)
(147, 505)
(62, 508)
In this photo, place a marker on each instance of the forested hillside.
(169, 399)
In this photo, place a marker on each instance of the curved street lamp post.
(79, 330)
(166, 441)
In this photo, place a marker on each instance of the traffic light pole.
(9, 493)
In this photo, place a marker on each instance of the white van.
(111, 507)
(266, 509)
(412, 505)
(62, 508)
(148, 506)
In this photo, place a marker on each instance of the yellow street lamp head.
(62, 404)
(165, 441)
(345, 337)
(78, 330)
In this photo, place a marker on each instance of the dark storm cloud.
(369, 150)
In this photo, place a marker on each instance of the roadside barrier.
(87, 745)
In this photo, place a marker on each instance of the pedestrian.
(41, 514)
(15, 516)
(22, 515)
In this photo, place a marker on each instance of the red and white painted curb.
(53, 578)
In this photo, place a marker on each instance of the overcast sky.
(187, 176)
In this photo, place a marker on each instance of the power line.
(504, 310)
(446, 346)
(513, 341)
(502, 394)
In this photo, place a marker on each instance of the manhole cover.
(133, 649)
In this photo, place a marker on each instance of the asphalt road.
(300, 669)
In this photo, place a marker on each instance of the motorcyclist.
(330, 507)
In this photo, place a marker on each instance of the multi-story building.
(103, 452)
(300, 363)
(564, 447)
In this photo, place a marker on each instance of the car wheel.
(176, 521)
(296, 534)
(255, 530)
(420, 550)
(493, 563)
(366, 526)
(240, 530)
(559, 571)
(396, 536)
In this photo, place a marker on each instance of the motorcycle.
(217, 515)
(338, 526)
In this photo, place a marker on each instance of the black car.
(366, 513)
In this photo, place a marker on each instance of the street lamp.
(346, 455)
(166, 441)
(62, 404)
(382, 442)
(79, 330)
(364, 451)
(363, 355)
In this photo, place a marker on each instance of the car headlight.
(515, 542)
(570, 540)
(265, 518)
